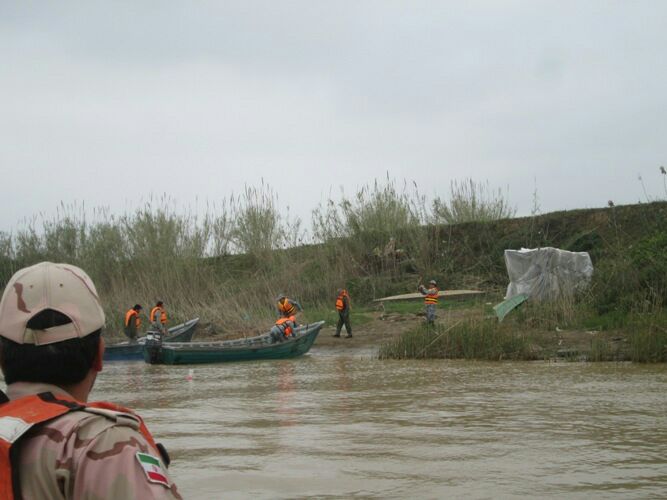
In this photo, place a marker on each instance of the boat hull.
(257, 348)
(125, 351)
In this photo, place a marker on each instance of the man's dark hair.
(60, 363)
(137, 307)
(159, 303)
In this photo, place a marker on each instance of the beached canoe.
(253, 348)
(126, 351)
(445, 294)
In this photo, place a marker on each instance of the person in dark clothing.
(133, 322)
(343, 308)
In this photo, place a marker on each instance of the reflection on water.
(329, 424)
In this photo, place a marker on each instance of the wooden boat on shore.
(252, 348)
(128, 351)
(444, 294)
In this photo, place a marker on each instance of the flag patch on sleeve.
(153, 468)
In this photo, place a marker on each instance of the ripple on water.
(339, 426)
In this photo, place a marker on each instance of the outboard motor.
(153, 346)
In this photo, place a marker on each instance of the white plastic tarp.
(547, 273)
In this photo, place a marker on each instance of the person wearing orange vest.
(55, 444)
(133, 322)
(283, 329)
(343, 308)
(158, 317)
(287, 307)
(430, 300)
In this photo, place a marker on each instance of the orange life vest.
(340, 303)
(286, 307)
(128, 318)
(287, 329)
(20, 415)
(432, 298)
(163, 314)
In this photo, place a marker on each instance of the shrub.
(472, 201)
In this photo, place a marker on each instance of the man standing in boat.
(343, 308)
(133, 322)
(287, 307)
(54, 444)
(158, 318)
(430, 300)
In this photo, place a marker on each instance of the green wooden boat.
(253, 348)
(133, 351)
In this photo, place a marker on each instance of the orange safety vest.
(286, 307)
(287, 328)
(163, 314)
(20, 415)
(432, 298)
(128, 318)
(340, 303)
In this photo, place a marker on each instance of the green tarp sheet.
(504, 308)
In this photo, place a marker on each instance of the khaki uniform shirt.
(83, 455)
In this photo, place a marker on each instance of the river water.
(335, 425)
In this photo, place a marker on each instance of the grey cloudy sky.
(104, 103)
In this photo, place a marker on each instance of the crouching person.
(283, 329)
(53, 443)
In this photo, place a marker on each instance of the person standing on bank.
(133, 322)
(343, 308)
(430, 300)
(158, 317)
(54, 444)
(287, 307)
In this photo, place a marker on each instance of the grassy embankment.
(228, 265)
(621, 316)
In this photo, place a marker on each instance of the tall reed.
(474, 337)
(227, 263)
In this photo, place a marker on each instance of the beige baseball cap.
(61, 287)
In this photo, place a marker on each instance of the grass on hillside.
(536, 331)
(228, 265)
(472, 337)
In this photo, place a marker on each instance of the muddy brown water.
(336, 425)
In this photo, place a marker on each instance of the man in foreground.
(53, 444)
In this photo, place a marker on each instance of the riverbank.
(468, 329)
(156, 254)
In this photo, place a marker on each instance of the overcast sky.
(106, 103)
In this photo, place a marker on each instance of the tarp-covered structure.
(547, 273)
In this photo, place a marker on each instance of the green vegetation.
(473, 337)
(229, 264)
(533, 332)
(471, 201)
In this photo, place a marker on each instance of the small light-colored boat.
(252, 348)
(443, 294)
